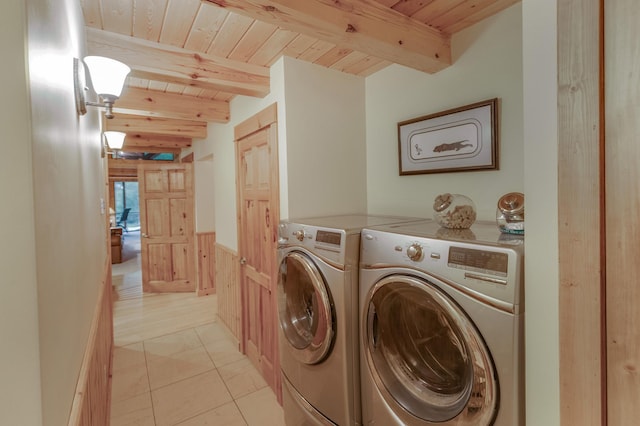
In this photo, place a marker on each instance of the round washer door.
(426, 356)
(305, 309)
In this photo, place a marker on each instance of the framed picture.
(459, 139)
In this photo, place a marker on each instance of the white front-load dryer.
(441, 314)
(318, 314)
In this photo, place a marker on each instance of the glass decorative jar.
(454, 211)
(510, 213)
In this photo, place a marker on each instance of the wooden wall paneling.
(581, 298)
(622, 109)
(92, 401)
(227, 279)
(206, 263)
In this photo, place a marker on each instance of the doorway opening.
(125, 218)
(126, 206)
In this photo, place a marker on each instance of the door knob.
(243, 260)
(145, 236)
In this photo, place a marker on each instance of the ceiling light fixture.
(107, 78)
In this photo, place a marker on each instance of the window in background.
(126, 197)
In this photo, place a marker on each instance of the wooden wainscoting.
(206, 263)
(228, 288)
(92, 400)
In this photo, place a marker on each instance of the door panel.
(167, 231)
(159, 268)
(177, 209)
(258, 202)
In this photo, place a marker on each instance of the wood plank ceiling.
(189, 58)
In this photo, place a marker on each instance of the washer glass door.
(426, 356)
(305, 309)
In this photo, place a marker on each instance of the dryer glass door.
(305, 309)
(426, 356)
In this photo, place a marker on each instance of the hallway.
(174, 364)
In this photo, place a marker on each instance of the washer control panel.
(492, 270)
(414, 251)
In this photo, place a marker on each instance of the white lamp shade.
(107, 75)
(115, 140)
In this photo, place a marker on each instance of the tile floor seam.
(146, 367)
(205, 346)
(138, 330)
(182, 379)
(166, 334)
(246, 421)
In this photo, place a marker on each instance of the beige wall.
(220, 147)
(325, 141)
(510, 56)
(487, 64)
(321, 142)
(541, 190)
(204, 197)
(20, 366)
(68, 187)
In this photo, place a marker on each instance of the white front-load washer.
(441, 314)
(318, 314)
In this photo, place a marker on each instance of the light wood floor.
(175, 364)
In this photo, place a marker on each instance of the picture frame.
(459, 139)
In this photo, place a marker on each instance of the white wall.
(219, 146)
(487, 64)
(510, 56)
(204, 173)
(321, 145)
(19, 350)
(326, 142)
(68, 185)
(541, 189)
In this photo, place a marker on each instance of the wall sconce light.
(115, 140)
(112, 142)
(107, 78)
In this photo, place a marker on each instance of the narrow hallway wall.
(69, 196)
(20, 367)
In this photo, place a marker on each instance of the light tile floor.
(192, 377)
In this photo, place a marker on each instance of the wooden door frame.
(267, 118)
(581, 197)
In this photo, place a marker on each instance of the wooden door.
(258, 210)
(166, 227)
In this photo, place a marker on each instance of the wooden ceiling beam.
(171, 105)
(151, 150)
(157, 126)
(144, 140)
(172, 64)
(361, 25)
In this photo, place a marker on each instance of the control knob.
(414, 251)
(299, 235)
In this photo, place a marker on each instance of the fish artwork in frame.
(459, 139)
